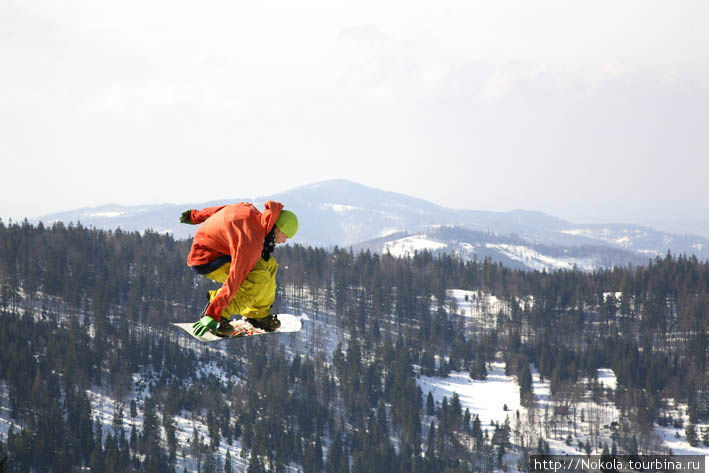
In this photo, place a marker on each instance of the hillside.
(92, 375)
(510, 251)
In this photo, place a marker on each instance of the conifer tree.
(227, 463)
(691, 433)
(477, 432)
(430, 404)
(255, 465)
(3, 459)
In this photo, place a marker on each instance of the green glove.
(186, 217)
(205, 323)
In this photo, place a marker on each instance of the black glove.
(186, 217)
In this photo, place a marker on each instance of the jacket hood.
(270, 214)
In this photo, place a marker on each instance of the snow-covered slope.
(511, 251)
(488, 398)
(536, 260)
(410, 245)
(642, 240)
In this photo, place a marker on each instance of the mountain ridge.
(344, 213)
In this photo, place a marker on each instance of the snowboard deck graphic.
(242, 328)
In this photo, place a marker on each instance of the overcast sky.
(592, 111)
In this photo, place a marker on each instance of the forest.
(86, 310)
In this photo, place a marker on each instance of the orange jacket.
(237, 230)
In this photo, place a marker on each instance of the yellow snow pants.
(255, 296)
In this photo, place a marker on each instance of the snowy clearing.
(476, 305)
(410, 245)
(486, 398)
(607, 378)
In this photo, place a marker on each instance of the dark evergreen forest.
(83, 309)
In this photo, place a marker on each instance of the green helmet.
(287, 222)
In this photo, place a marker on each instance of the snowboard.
(242, 328)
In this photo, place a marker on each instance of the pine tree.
(211, 464)
(213, 428)
(691, 434)
(431, 449)
(466, 420)
(455, 409)
(255, 465)
(500, 454)
(96, 462)
(227, 463)
(336, 460)
(312, 456)
(133, 439)
(171, 435)
(3, 459)
(151, 428)
(318, 454)
(477, 432)
(430, 404)
(525, 383)
(118, 429)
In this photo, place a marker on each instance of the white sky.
(593, 111)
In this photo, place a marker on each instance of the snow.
(606, 376)
(680, 446)
(577, 232)
(389, 231)
(602, 414)
(486, 398)
(675, 438)
(477, 304)
(624, 241)
(5, 421)
(623, 237)
(409, 245)
(105, 214)
(340, 208)
(184, 431)
(103, 407)
(538, 261)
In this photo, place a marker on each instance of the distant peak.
(331, 183)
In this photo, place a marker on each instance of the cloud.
(363, 33)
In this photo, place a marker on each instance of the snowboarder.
(233, 246)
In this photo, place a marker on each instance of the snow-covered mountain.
(510, 250)
(344, 213)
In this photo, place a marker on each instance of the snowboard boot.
(269, 324)
(225, 329)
